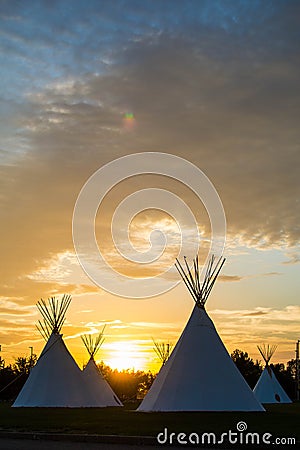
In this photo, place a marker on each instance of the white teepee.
(103, 394)
(268, 388)
(55, 380)
(200, 375)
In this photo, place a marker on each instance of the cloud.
(271, 274)
(140, 84)
(294, 258)
(249, 327)
(255, 313)
(14, 307)
(216, 85)
(9, 312)
(153, 325)
(230, 278)
(95, 122)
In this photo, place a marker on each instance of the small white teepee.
(103, 394)
(55, 380)
(199, 374)
(268, 388)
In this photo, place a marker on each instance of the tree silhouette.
(13, 377)
(286, 376)
(127, 384)
(130, 385)
(24, 364)
(250, 370)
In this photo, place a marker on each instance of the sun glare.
(125, 355)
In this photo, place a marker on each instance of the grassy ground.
(279, 420)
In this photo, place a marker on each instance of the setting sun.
(125, 355)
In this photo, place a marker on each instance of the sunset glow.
(215, 83)
(125, 355)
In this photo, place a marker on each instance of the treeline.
(13, 376)
(130, 385)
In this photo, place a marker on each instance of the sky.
(86, 82)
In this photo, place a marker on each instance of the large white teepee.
(55, 380)
(200, 375)
(268, 388)
(102, 392)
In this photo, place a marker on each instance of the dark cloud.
(218, 85)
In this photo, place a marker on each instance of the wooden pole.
(297, 371)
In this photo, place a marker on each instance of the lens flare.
(129, 121)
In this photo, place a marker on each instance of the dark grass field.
(279, 420)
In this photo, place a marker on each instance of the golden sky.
(212, 82)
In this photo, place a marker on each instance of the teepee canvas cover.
(200, 375)
(55, 380)
(268, 388)
(102, 393)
